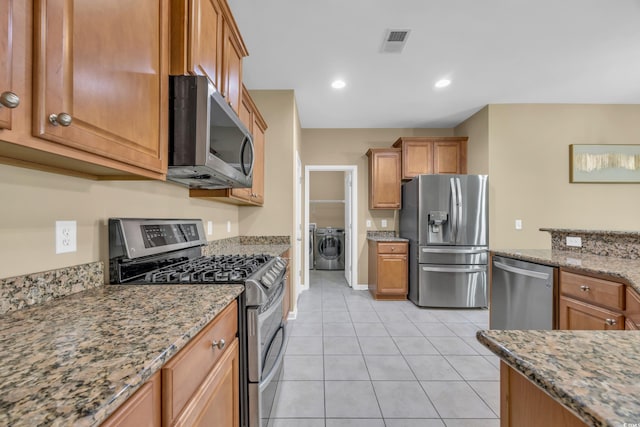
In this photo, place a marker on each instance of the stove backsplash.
(23, 291)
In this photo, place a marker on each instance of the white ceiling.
(494, 51)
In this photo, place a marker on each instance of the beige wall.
(326, 198)
(476, 128)
(349, 147)
(32, 201)
(529, 171)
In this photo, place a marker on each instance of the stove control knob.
(266, 281)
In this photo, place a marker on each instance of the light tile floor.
(353, 361)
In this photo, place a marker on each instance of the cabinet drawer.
(597, 291)
(392, 248)
(184, 373)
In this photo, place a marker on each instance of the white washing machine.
(329, 248)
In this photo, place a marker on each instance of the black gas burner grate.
(211, 269)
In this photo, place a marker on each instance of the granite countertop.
(592, 373)
(622, 268)
(387, 239)
(74, 360)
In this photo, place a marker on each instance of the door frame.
(352, 170)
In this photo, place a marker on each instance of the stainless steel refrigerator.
(445, 218)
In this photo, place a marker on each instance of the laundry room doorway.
(330, 204)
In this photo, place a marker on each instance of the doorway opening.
(335, 215)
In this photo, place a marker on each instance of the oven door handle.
(274, 369)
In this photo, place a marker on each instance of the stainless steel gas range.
(169, 251)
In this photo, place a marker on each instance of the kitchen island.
(593, 374)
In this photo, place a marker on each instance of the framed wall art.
(604, 163)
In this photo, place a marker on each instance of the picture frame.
(604, 163)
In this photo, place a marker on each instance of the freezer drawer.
(455, 286)
(452, 255)
(522, 295)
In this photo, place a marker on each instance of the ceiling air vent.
(394, 41)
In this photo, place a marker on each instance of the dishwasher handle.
(522, 271)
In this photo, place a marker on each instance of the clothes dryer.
(329, 248)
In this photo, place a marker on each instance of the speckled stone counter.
(620, 244)
(626, 269)
(384, 236)
(592, 373)
(74, 360)
(248, 245)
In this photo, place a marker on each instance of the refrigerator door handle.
(521, 271)
(479, 269)
(453, 251)
(454, 210)
(459, 207)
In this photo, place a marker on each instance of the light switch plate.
(574, 241)
(209, 228)
(368, 223)
(518, 224)
(66, 236)
(228, 226)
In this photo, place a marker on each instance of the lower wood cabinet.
(190, 379)
(142, 409)
(216, 402)
(579, 315)
(590, 303)
(632, 312)
(388, 270)
(522, 404)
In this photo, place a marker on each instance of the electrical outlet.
(66, 236)
(228, 226)
(368, 223)
(384, 223)
(574, 241)
(209, 228)
(518, 224)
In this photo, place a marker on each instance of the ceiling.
(493, 51)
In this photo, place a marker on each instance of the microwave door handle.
(246, 141)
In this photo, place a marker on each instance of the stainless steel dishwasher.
(522, 295)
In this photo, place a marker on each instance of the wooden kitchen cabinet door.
(196, 38)
(388, 267)
(384, 178)
(142, 409)
(417, 159)
(232, 53)
(6, 62)
(449, 157)
(578, 315)
(101, 73)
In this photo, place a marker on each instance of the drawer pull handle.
(610, 322)
(393, 248)
(584, 288)
(220, 344)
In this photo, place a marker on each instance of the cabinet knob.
(393, 248)
(584, 288)
(9, 99)
(219, 344)
(610, 322)
(62, 119)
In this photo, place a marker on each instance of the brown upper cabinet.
(384, 178)
(254, 121)
(8, 98)
(432, 155)
(93, 102)
(205, 41)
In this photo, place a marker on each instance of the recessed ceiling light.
(338, 84)
(442, 83)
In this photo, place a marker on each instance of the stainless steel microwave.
(209, 147)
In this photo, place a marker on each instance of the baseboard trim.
(361, 287)
(293, 314)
